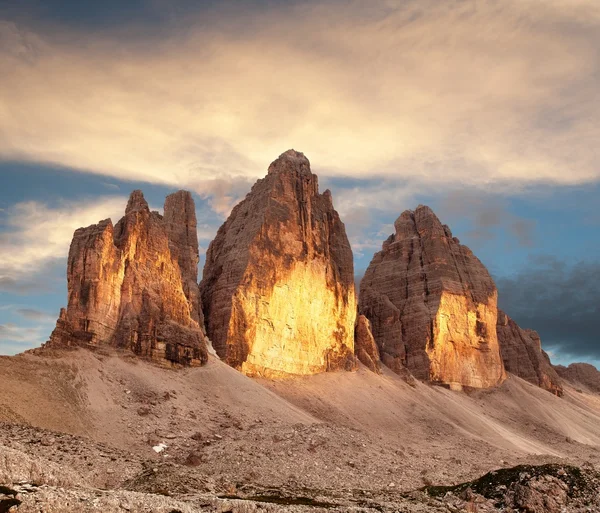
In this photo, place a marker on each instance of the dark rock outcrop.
(549, 488)
(365, 346)
(580, 374)
(278, 285)
(432, 305)
(523, 355)
(134, 285)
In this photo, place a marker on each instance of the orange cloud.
(493, 94)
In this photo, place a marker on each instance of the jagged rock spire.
(278, 284)
(134, 285)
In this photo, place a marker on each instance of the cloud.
(206, 234)
(35, 235)
(34, 315)
(368, 209)
(18, 286)
(23, 327)
(222, 192)
(496, 94)
(15, 338)
(558, 299)
(487, 214)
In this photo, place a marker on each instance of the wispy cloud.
(35, 235)
(32, 314)
(23, 328)
(487, 214)
(16, 338)
(497, 94)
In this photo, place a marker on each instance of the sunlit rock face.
(277, 288)
(432, 305)
(134, 285)
(523, 355)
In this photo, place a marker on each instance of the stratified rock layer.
(581, 374)
(134, 285)
(365, 346)
(432, 305)
(277, 289)
(523, 356)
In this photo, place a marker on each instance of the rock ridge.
(580, 374)
(523, 355)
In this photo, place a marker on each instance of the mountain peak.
(291, 160)
(136, 202)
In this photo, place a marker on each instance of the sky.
(487, 111)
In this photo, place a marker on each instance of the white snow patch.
(160, 447)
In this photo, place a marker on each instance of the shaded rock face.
(581, 374)
(134, 285)
(365, 346)
(523, 356)
(432, 305)
(277, 288)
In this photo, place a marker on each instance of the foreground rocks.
(278, 283)
(532, 489)
(523, 355)
(134, 285)
(432, 305)
(359, 441)
(30, 484)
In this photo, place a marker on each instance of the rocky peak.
(181, 227)
(134, 285)
(278, 284)
(581, 375)
(432, 305)
(290, 161)
(523, 356)
(136, 202)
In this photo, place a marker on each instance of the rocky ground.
(87, 431)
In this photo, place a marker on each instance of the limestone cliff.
(432, 305)
(523, 355)
(134, 285)
(277, 289)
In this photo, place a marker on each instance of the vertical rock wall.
(134, 285)
(278, 285)
(432, 305)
